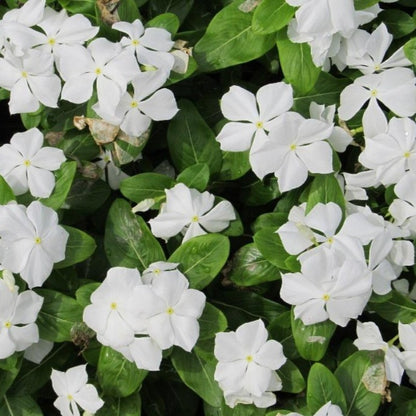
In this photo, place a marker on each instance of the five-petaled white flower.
(246, 365)
(191, 212)
(33, 240)
(26, 165)
(73, 391)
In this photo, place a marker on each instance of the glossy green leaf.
(230, 40)
(396, 308)
(58, 315)
(117, 376)
(195, 176)
(410, 50)
(79, 247)
(6, 193)
(147, 185)
(312, 340)
(292, 379)
(180, 8)
(296, 63)
(323, 387)
(201, 258)
(168, 21)
(362, 378)
(250, 268)
(128, 241)
(211, 322)
(117, 406)
(191, 141)
(198, 375)
(234, 165)
(19, 406)
(271, 16)
(83, 294)
(259, 192)
(398, 22)
(64, 178)
(128, 11)
(9, 369)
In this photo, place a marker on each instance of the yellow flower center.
(113, 305)
(292, 147)
(70, 397)
(7, 324)
(38, 240)
(26, 162)
(406, 154)
(249, 358)
(98, 71)
(135, 42)
(373, 93)
(195, 218)
(170, 311)
(330, 240)
(377, 67)
(24, 74)
(325, 297)
(156, 271)
(51, 41)
(259, 124)
(134, 104)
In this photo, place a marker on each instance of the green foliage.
(271, 16)
(6, 193)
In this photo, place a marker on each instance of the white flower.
(403, 209)
(252, 116)
(246, 365)
(113, 312)
(392, 153)
(366, 51)
(26, 165)
(38, 351)
(72, 390)
(172, 315)
(135, 113)
(369, 338)
(60, 29)
(395, 88)
(30, 14)
(102, 61)
(110, 172)
(293, 147)
(151, 46)
(18, 314)
(30, 80)
(156, 269)
(33, 240)
(192, 213)
(407, 336)
(339, 138)
(327, 289)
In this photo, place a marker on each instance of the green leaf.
(364, 4)
(195, 176)
(296, 63)
(128, 241)
(312, 340)
(19, 406)
(168, 21)
(326, 91)
(57, 316)
(324, 189)
(31, 120)
(87, 195)
(201, 258)
(211, 322)
(234, 165)
(396, 308)
(128, 11)
(79, 145)
(292, 379)
(117, 406)
(64, 178)
(9, 370)
(198, 375)
(6, 193)
(271, 16)
(360, 376)
(117, 376)
(147, 185)
(259, 192)
(250, 268)
(410, 50)
(270, 246)
(323, 387)
(398, 23)
(79, 247)
(270, 220)
(180, 8)
(191, 141)
(83, 293)
(230, 40)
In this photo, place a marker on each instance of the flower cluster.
(141, 316)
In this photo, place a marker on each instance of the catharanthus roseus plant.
(207, 208)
